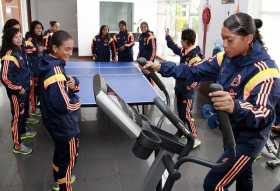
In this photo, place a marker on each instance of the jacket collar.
(256, 53)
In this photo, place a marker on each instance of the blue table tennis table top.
(125, 78)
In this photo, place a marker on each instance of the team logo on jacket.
(236, 81)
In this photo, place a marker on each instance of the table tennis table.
(125, 78)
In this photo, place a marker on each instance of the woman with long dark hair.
(250, 79)
(147, 43)
(34, 48)
(102, 46)
(124, 42)
(15, 75)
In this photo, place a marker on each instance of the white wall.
(88, 19)
(269, 12)
(64, 11)
(219, 12)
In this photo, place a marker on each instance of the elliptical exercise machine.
(171, 152)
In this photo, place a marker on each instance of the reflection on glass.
(227, 1)
(119, 11)
(11, 9)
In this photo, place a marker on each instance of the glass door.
(11, 9)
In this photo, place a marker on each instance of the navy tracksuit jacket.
(15, 75)
(31, 45)
(31, 48)
(147, 46)
(60, 109)
(60, 106)
(253, 82)
(126, 40)
(102, 47)
(185, 90)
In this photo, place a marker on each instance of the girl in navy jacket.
(15, 76)
(147, 43)
(34, 48)
(60, 108)
(102, 46)
(250, 79)
(189, 54)
(124, 42)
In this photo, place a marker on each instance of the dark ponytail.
(243, 25)
(258, 36)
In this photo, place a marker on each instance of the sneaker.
(73, 178)
(24, 150)
(268, 152)
(197, 143)
(28, 135)
(55, 187)
(32, 121)
(258, 157)
(36, 114)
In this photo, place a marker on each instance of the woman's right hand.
(150, 67)
(167, 32)
(94, 57)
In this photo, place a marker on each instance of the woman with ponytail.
(250, 80)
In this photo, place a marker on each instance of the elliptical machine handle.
(225, 125)
(142, 61)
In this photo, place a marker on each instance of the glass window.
(118, 11)
(176, 16)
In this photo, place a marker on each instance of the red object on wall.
(206, 17)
